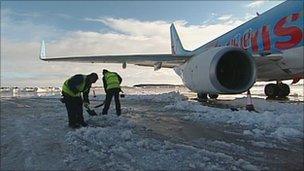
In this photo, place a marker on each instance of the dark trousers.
(109, 94)
(74, 109)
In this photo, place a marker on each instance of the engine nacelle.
(222, 70)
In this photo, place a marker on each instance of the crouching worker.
(111, 84)
(71, 91)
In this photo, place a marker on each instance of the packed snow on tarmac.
(166, 131)
(276, 120)
(115, 145)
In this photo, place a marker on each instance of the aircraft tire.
(284, 90)
(271, 90)
(213, 96)
(202, 97)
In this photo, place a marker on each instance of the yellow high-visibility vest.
(112, 80)
(79, 88)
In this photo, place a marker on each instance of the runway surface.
(159, 129)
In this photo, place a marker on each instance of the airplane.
(268, 47)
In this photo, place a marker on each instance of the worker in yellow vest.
(71, 91)
(111, 84)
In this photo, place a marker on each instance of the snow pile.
(263, 144)
(278, 120)
(114, 145)
(164, 97)
(187, 106)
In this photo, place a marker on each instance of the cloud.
(135, 27)
(21, 66)
(25, 29)
(125, 36)
(7, 12)
(192, 36)
(61, 15)
(224, 17)
(255, 4)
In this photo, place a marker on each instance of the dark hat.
(93, 77)
(104, 71)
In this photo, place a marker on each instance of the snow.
(115, 145)
(156, 131)
(263, 144)
(278, 120)
(287, 133)
(164, 97)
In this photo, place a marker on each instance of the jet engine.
(221, 70)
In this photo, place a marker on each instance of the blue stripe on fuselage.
(268, 19)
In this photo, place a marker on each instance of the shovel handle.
(97, 106)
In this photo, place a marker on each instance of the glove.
(86, 105)
(62, 99)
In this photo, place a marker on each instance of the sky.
(108, 27)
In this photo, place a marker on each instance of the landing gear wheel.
(202, 97)
(271, 90)
(284, 90)
(213, 96)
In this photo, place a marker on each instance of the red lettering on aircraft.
(294, 32)
(266, 38)
(245, 40)
(254, 41)
(251, 38)
(295, 17)
(236, 42)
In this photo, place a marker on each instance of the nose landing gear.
(279, 90)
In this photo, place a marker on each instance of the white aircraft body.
(269, 47)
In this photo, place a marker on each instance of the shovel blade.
(91, 112)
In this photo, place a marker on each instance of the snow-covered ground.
(283, 121)
(158, 130)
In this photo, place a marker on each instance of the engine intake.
(234, 71)
(223, 70)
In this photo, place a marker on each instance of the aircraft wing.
(273, 61)
(153, 60)
(167, 60)
(262, 60)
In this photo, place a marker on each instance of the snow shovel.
(97, 106)
(122, 95)
(91, 112)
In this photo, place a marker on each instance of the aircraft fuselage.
(278, 31)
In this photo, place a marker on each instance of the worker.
(111, 84)
(71, 91)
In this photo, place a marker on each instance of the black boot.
(74, 126)
(84, 124)
(118, 112)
